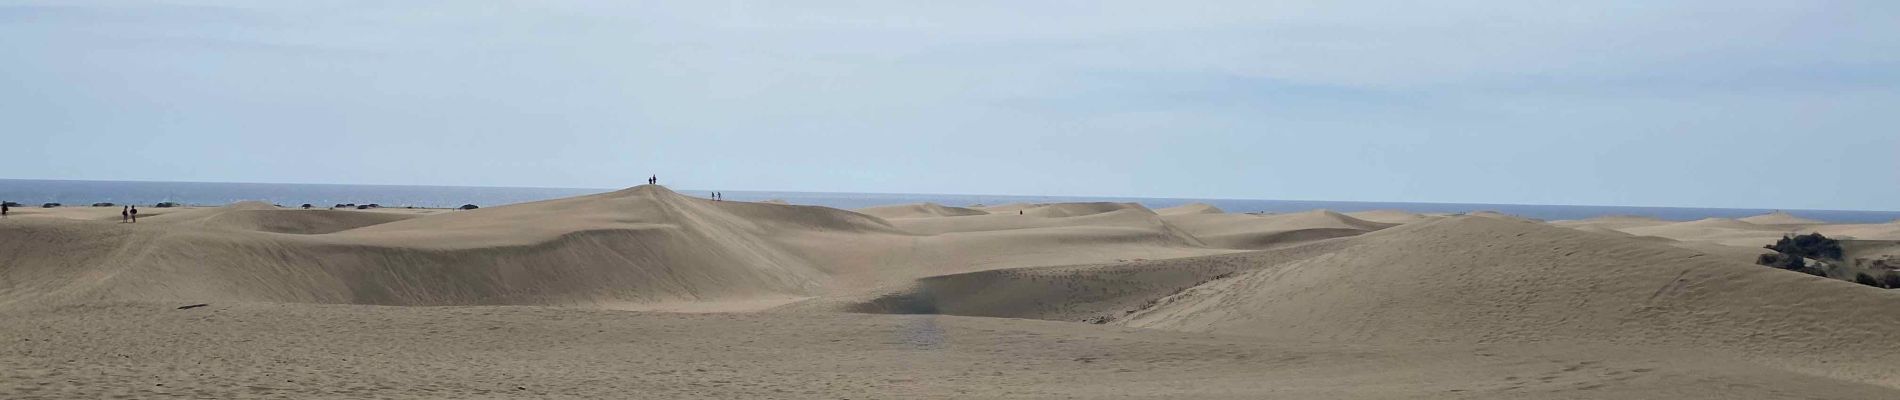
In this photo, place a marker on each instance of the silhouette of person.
(135, 214)
(5, 209)
(125, 214)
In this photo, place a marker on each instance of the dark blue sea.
(75, 193)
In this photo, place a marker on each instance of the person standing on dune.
(125, 214)
(5, 209)
(135, 214)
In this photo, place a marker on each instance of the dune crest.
(1780, 218)
(640, 245)
(920, 210)
(264, 217)
(1390, 216)
(1191, 208)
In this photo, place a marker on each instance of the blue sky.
(1759, 104)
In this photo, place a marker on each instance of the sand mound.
(1062, 210)
(1191, 208)
(1602, 230)
(1722, 231)
(1613, 222)
(264, 217)
(921, 210)
(1717, 223)
(1246, 231)
(1066, 210)
(1886, 231)
(1480, 280)
(1499, 215)
(1780, 218)
(1389, 216)
(640, 245)
(643, 248)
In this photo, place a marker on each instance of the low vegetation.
(1815, 254)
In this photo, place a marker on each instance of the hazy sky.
(1768, 104)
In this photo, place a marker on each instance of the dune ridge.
(1780, 218)
(920, 210)
(908, 300)
(638, 245)
(1191, 208)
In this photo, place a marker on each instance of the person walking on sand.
(125, 214)
(135, 214)
(5, 208)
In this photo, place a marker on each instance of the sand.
(645, 293)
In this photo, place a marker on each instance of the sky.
(1738, 103)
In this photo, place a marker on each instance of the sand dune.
(1780, 218)
(1613, 222)
(1191, 208)
(1715, 230)
(1246, 231)
(263, 217)
(643, 245)
(923, 210)
(1389, 216)
(1506, 282)
(1303, 305)
(638, 248)
(1499, 215)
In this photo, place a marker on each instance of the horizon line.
(974, 194)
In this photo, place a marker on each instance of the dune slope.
(1481, 280)
(1247, 231)
(639, 245)
(921, 210)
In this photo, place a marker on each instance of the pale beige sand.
(1248, 231)
(1780, 218)
(1390, 216)
(332, 351)
(1191, 208)
(923, 210)
(534, 300)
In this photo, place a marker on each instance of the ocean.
(33, 192)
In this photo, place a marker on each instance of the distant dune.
(1191, 208)
(1246, 231)
(1780, 218)
(1614, 222)
(922, 210)
(1389, 216)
